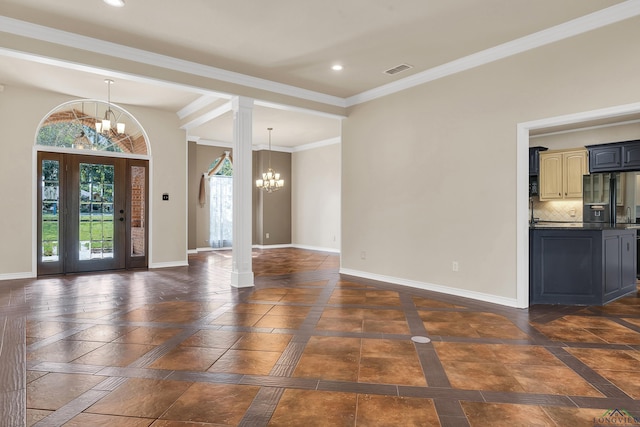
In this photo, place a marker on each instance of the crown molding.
(319, 144)
(65, 38)
(592, 21)
(203, 101)
(208, 116)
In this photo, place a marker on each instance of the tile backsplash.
(557, 210)
(567, 210)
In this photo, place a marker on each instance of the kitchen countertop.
(583, 225)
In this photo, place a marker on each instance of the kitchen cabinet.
(561, 174)
(596, 189)
(534, 159)
(581, 266)
(614, 157)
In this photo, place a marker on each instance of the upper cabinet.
(615, 157)
(561, 174)
(534, 160)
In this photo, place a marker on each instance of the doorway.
(92, 213)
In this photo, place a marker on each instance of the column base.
(242, 280)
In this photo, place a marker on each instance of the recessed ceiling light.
(336, 67)
(114, 3)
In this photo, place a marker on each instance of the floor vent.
(398, 69)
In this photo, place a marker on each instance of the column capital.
(241, 102)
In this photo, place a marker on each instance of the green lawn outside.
(96, 228)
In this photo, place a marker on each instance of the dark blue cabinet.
(581, 266)
(534, 160)
(614, 157)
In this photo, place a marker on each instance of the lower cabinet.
(581, 267)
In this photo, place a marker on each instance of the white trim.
(16, 276)
(561, 132)
(211, 143)
(277, 148)
(77, 41)
(315, 248)
(610, 15)
(96, 153)
(192, 251)
(319, 144)
(203, 101)
(106, 72)
(169, 264)
(208, 116)
(522, 179)
(285, 245)
(34, 210)
(210, 249)
(495, 299)
(276, 106)
(592, 21)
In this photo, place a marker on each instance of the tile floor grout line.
(602, 384)
(183, 286)
(432, 368)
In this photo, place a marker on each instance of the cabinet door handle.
(559, 194)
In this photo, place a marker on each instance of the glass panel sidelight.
(50, 223)
(96, 226)
(138, 214)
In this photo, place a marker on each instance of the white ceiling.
(288, 42)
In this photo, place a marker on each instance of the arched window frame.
(83, 115)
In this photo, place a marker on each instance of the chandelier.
(270, 181)
(104, 126)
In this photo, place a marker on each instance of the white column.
(242, 274)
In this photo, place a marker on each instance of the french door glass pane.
(138, 203)
(50, 210)
(96, 211)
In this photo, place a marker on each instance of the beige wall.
(272, 211)
(315, 198)
(21, 111)
(429, 174)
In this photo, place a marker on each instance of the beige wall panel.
(316, 197)
(21, 111)
(168, 175)
(429, 173)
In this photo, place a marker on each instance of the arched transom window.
(92, 125)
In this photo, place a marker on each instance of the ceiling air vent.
(398, 69)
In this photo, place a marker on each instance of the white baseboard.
(16, 276)
(169, 264)
(192, 251)
(494, 299)
(316, 248)
(286, 245)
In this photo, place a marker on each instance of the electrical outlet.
(267, 235)
(363, 255)
(455, 266)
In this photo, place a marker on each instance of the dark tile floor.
(306, 346)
